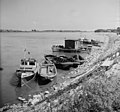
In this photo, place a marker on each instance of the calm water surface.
(12, 50)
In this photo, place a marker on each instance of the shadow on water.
(42, 80)
(39, 84)
(36, 85)
(16, 81)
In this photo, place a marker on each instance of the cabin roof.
(71, 40)
(28, 59)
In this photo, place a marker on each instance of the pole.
(0, 54)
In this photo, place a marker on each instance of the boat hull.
(28, 78)
(65, 50)
(48, 70)
(62, 66)
(25, 80)
(85, 49)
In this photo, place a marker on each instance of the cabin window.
(31, 63)
(23, 63)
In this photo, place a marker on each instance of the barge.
(71, 45)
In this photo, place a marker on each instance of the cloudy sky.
(59, 14)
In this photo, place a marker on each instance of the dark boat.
(64, 62)
(28, 70)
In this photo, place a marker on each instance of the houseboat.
(73, 46)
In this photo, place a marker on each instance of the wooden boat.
(28, 69)
(48, 69)
(63, 62)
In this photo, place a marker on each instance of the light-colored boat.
(28, 69)
(48, 69)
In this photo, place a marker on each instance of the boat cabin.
(29, 61)
(71, 44)
(76, 44)
(28, 64)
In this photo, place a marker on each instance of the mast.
(24, 54)
(24, 57)
(0, 55)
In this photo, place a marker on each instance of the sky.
(59, 14)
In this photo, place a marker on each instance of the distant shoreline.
(44, 31)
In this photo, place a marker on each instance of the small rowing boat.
(48, 69)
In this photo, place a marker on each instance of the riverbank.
(67, 92)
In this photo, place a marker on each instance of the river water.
(12, 47)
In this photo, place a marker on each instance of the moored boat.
(48, 69)
(72, 45)
(64, 62)
(28, 70)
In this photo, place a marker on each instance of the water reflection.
(15, 81)
(42, 80)
(39, 84)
